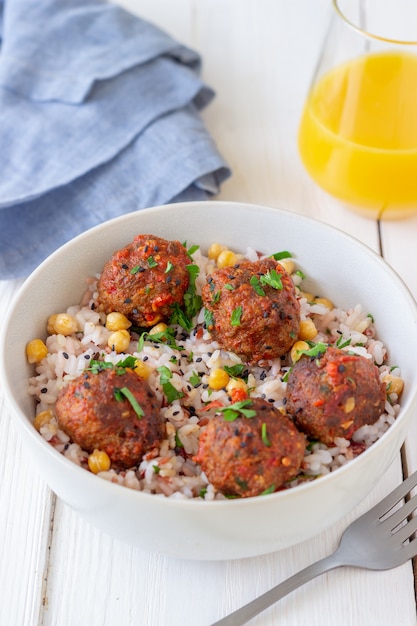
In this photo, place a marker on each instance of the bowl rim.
(105, 485)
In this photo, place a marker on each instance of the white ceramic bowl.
(337, 265)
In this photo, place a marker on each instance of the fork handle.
(248, 611)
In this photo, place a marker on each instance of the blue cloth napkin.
(99, 116)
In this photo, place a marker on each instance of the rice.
(172, 472)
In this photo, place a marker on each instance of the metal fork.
(380, 539)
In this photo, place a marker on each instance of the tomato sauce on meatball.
(95, 412)
(253, 309)
(334, 394)
(251, 455)
(144, 280)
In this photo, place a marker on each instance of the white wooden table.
(55, 569)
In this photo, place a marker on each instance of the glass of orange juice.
(358, 131)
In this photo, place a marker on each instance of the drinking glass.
(358, 131)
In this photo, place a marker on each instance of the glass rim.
(368, 34)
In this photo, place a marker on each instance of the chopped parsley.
(264, 435)
(178, 442)
(151, 261)
(236, 316)
(271, 278)
(235, 371)
(316, 349)
(195, 379)
(281, 255)
(169, 267)
(125, 393)
(268, 490)
(191, 250)
(165, 336)
(233, 411)
(171, 393)
(340, 343)
(120, 367)
(208, 318)
(192, 301)
(256, 284)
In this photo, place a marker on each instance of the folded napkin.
(99, 116)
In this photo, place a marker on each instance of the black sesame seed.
(86, 385)
(87, 357)
(65, 355)
(127, 300)
(124, 266)
(145, 358)
(341, 368)
(44, 390)
(198, 359)
(176, 413)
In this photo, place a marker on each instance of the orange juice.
(358, 133)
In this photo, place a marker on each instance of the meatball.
(251, 455)
(334, 394)
(252, 309)
(144, 280)
(95, 412)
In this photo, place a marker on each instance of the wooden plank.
(26, 504)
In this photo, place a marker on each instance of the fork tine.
(402, 513)
(410, 550)
(393, 498)
(406, 531)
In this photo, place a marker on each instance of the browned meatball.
(95, 413)
(253, 309)
(144, 279)
(251, 455)
(334, 394)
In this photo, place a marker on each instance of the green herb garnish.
(208, 318)
(171, 393)
(235, 371)
(281, 255)
(166, 336)
(192, 301)
(340, 343)
(169, 267)
(233, 411)
(271, 278)
(270, 489)
(178, 442)
(236, 316)
(264, 435)
(195, 379)
(151, 261)
(256, 284)
(316, 350)
(125, 393)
